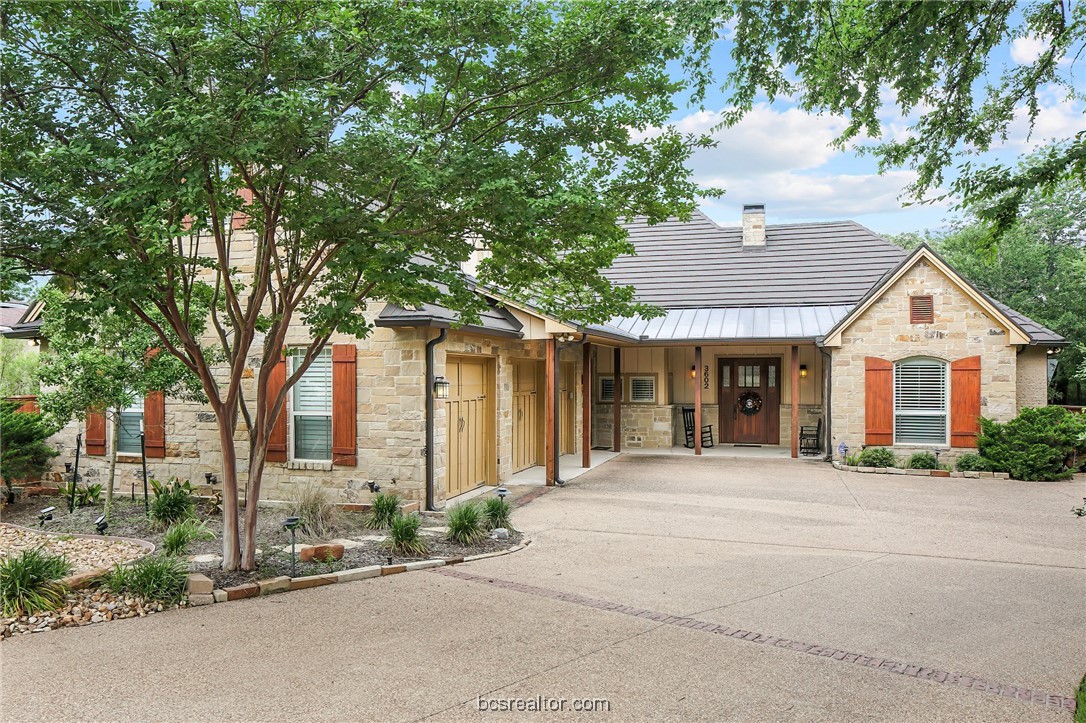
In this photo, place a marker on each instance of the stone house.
(799, 337)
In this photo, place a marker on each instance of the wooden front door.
(526, 408)
(567, 398)
(467, 416)
(750, 400)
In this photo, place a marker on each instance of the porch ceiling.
(748, 323)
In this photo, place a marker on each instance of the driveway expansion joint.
(882, 664)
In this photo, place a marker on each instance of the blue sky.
(780, 156)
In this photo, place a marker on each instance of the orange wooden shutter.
(154, 424)
(277, 443)
(95, 436)
(965, 402)
(241, 218)
(344, 410)
(878, 401)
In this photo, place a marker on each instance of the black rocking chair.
(688, 424)
(810, 439)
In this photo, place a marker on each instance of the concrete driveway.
(655, 588)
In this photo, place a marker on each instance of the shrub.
(319, 514)
(877, 457)
(1041, 443)
(404, 536)
(155, 577)
(177, 539)
(24, 453)
(923, 460)
(385, 508)
(496, 512)
(28, 582)
(973, 463)
(172, 502)
(84, 496)
(465, 523)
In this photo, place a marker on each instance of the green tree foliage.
(24, 453)
(18, 368)
(935, 62)
(1043, 443)
(1038, 267)
(380, 144)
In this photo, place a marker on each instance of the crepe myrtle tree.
(104, 362)
(371, 146)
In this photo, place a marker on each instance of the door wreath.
(750, 403)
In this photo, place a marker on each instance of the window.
(643, 390)
(607, 389)
(130, 423)
(921, 310)
(311, 407)
(920, 401)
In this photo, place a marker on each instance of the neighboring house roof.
(10, 314)
(27, 325)
(801, 286)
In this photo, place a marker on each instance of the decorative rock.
(939, 472)
(972, 474)
(321, 553)
(240, 592)
(198, 599)
(97, 618)
(273, 585)
(199, 584)
(219, 595)
(359, 573)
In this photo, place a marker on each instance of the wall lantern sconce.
(693, 372)
(802, 371)
(441, 388)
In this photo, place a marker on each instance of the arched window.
(920, 401)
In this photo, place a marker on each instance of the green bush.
(877, 457)
(180, 535)
(386, 506)
(319, 513)
(404, 538)
(155, 577)
(1041, 443)
(28, 582)
(973, 463)
(172, 502)
(465, 523)
(496, 513)
(923, 460)
(24, 453)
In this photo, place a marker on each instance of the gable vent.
(921, 310)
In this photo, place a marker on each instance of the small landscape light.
(100, 524)
(374, 487)
(802, 371)
(210, 478)
(292, 524)
(46, 514)
(441, 388)
(503, 491)
(68, 467)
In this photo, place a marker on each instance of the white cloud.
(1057, 120)
(1026, 50)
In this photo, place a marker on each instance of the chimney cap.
(754, 208)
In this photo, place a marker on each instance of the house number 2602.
(705, 377)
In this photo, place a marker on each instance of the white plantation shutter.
(311, 402)
(920, 402)
(643, 389)
(607, 389)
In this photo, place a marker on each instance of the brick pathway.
(844, 656)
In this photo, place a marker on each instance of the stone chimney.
(754, 226)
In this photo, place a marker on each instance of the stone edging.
(80, 580)
(921, 472)
(200, 590)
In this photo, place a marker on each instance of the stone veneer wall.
(1032, 378)
(961, 329)
(644, 426)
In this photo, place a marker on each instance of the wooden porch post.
(550, 385)
(697, 400)
(795, 402)
(616, 445)
(586, 405)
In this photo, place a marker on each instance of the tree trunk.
(230, 549)
(256, 474)
(113, 460)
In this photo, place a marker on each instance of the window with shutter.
(607, 389)
(311, 407)
(643, 390)
(921, 310)
(130, 423)
(920, 401)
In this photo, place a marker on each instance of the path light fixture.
(441, 388)
(100, 524)
(210, 478)
(292, 524)
(374, 487)
(46, 514)
(802, 371)
(67, 467)
(503, 491)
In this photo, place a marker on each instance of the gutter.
(430, 345)
(556, 442)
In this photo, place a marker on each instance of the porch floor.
(569, 467)
(720, 450)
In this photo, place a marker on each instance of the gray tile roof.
(495, 321)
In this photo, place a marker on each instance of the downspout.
(556, 446)
(430, 417)
(827, 398)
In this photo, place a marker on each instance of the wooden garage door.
(525, 415)
(467, 416)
